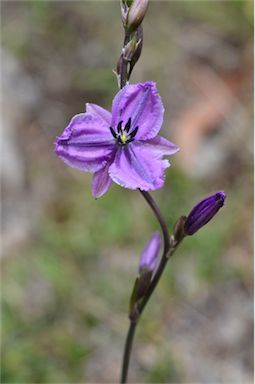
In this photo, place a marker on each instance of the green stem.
(127, 351)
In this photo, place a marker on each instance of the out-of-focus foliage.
(70, 261)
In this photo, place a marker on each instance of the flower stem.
(159, 217)
(127, 351)
(169, 249)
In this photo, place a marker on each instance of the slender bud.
(129, 49)
(203, 212)
(124, 7)
(179, 232)
(119, 65)
(149, 257)
(147, 266)
(136, 14)
(138, 50)
(142, 283)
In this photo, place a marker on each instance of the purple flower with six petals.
(122, 146)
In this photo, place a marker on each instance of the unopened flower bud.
(149, 257)
(129, 49)
(119, 65)
(203, 212)
(136, 14)
(124, 7)
(147, 266)
(138, 50)
(179, 232)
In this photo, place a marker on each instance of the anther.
(119, 126)
(113, 133)
(128, 125)
(133, 133)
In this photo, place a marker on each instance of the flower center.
(123, 136)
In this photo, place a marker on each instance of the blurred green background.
(69, 261)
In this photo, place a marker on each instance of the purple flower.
(203, 212)
(149, 257)
(122, 146)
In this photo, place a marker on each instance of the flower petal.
(95, 109)
(161, 146)
(85, 129)
(101, 181)
(143, 104)
(136, 166)
(86, 143)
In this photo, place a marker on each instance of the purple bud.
(149, 257)
(203, 212)
(147, 266)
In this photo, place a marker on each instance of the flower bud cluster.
(132, 13)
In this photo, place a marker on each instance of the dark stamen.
(119, 126)
(113, 133)
(133, 133)
(128, 125)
